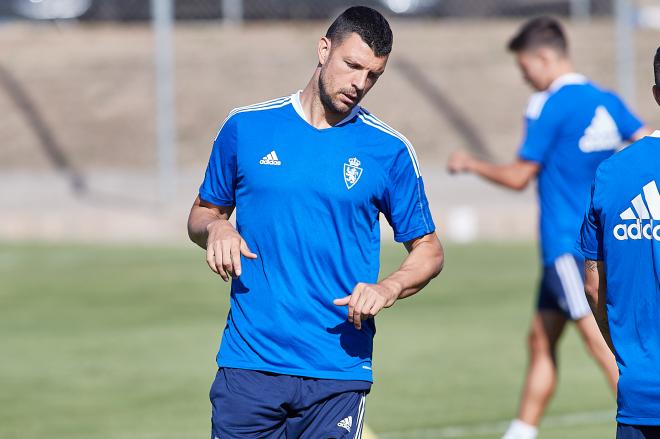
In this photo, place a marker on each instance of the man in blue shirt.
(571, 126)
(309, 176)
(620, 240)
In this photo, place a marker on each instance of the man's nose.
(360, 79)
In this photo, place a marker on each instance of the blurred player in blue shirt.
(620, 240)
(309, 176)
(572, 125)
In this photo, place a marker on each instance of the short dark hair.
(656, 67)
(368, 23)
(540, 32)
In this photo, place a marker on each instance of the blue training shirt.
(622, 228)
(308, 203)
(571, 128)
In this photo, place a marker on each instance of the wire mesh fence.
(129, 10)
(78, 92)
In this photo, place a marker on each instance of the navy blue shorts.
(253, 404)
(562, 288)
(625, 431)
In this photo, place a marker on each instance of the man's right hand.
(459, 161)
(224, 248)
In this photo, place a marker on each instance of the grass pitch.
(119, 342)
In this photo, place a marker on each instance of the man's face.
(534, 66)
(348, 71)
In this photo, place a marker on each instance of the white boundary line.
(493, 428)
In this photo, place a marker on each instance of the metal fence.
(130, 10)
(107, 70)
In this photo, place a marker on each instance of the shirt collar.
(567, 79)
(295, 101)
(656, 134)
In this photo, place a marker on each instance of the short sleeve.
(541, 126)
(590, 242)
(219, 182)
(627, 122)
(404, 202)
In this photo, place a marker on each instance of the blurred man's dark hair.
(368, 23)
(540, 32)
(656, 67)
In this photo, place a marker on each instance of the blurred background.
(107, 121)
(109, 319)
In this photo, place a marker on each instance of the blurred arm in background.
(209, 228)
(515, 175)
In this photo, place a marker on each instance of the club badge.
(352, 172)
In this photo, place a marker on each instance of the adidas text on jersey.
(643, 226)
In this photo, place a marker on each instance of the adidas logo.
(643, 215)
(346, 423)
(270, 159)
(602, 134)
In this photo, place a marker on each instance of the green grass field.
(119, 342)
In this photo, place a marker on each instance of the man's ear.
(546, 54)
(323, 50)
(656, 93)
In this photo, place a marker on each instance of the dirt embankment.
(92, 85)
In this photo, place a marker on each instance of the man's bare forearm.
(424, 262)
(201, 215)
(595, 287)
(511, 176)
(515, 175)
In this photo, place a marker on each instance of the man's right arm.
(595, 287)
(515, 175)
(543, 120)
(209, 228)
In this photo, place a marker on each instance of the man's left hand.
(367, 300)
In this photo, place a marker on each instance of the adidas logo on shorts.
(346, 423)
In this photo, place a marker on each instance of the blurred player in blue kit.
(309, 175)
(620, 240)
(572, 125)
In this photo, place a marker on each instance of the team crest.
(352, 172)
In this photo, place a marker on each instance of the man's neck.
(563, 68)
(315, 113)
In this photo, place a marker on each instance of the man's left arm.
(424, 262)
(590, 243)
(595, 287)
